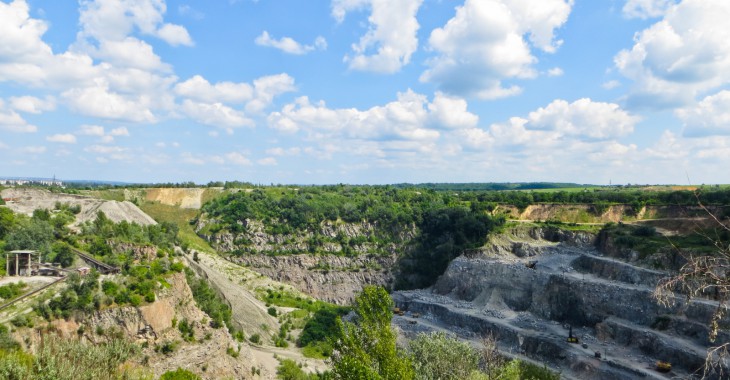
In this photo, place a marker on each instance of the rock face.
(528, 283)
(153, 324)
(332, 237)
(347, 256)
(330, 278)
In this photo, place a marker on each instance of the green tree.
(33, 234)
(63, 254)
(438, 356)
(366, 348)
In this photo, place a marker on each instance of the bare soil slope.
(183, 198)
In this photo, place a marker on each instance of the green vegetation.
(366, 348)
(179, 374)
(10, 291)
(319, 331)
(289, 370)
(179, 217)
(444, 234)
(69, 359)
(208, 300)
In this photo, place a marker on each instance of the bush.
(179, 374)
(255, 339)
(272, 311)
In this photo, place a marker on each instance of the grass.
(181, 217)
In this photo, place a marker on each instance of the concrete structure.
(21, 263)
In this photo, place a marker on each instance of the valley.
(532, 276)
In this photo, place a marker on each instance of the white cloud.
(289, 45)
(189, 158)
(484, 44)
(237, 159)
(284, 152)
(450, 112)
(410, 117)
(583, 117)
(198, 88)
(711, 116)
(121, 131)
(105, 149)
(680, 57)
(610, 85)
(91, 130)
(216, 115)
(31, 104)
(100, 101)
(391, 38)
(267, 161)
(116, 19)
(65, 138)
(129, 52)
(175, 35)
(644, 9)
(555, 72)
(33, 149)
(11, 121)
(268, 87)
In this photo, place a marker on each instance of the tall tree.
(366, 347)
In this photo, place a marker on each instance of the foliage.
(318, 332)
(68, 359)
(445, 234)
(289, 370)
(7, 343)
(10, 291)
(366, 348)
(440, 356)
(209, 301)
(30, 234)
(179, 374)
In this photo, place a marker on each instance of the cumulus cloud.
(31, 104)
(709, 117)
(289, 45)
(682, 56)
(198, 88)
(116, 19)
(488, 41)
(583, 117)
(645, 9)
(237, 158)
(216, 114)
(410, 117)
(267, 161)
(121, 131)
(391, 38)
(100, 101)
(33, 149)
(64, 138)
(91, 130)
(11, 121)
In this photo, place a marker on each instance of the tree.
(437, 356)
(365, 348)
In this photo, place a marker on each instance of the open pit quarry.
(530, 287)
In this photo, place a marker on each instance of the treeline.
(489, 186)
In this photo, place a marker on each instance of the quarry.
(566, 295)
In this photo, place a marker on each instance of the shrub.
(179, 374)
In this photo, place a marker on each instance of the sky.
(366, 91)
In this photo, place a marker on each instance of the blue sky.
(366, 91)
